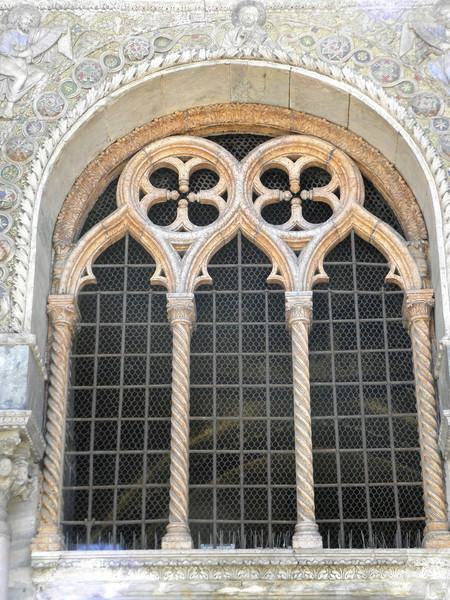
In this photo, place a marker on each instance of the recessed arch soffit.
(380, 53)
(239, 195)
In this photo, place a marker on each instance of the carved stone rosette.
(63, 314)
(299, 314)
(417, 311)
(181, 312)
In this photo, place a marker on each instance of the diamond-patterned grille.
(118, 430)
(242, 477)
(365, 439)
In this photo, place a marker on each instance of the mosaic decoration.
(88, 73)
(9, 196)
(34, 128)
(136, 49)
(52, 60)
(335, 48)
(386, 71)
(19, 148)
(49, 105)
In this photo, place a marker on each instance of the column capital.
(62, 309)
(181, 308)
(298, 307)
(15, 463)
(417, 305)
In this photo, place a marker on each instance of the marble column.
(298, 315)
(63, 314)
(417, 311)
(181, 312)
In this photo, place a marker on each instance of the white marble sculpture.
(23, 44)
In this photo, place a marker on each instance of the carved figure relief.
(23, 44)
(248, 18)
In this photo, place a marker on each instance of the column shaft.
(299, 312)
(181, 311)
(417, 309)
(63, 315)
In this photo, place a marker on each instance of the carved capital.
(417, 305)
(181, 308)
(15, 461)
(298, 307)
(62, 310)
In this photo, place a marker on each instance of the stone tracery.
(182, 251)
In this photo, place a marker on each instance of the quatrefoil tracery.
(193, 172)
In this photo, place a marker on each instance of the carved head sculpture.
(24, 17)
(248, 14)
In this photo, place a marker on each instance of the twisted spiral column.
(63, 314)
(181, 311)
(417, 308)
(298, 314)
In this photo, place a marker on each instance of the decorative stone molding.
(417, 312)
(242, 573)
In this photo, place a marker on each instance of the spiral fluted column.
(63, 314)
(298, 315)
(417, 308)
(181, 311)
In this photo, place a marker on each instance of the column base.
(47, 541)
(178, 537)
(436, 539)
(306, 536)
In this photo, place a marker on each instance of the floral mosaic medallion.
(426, 104)
(440, 124)
(5, 223)
(69, 88)
(9, 172)
(6, 248)
(136, 49)
(445, 144)
(49, 105)
(386, 71)
(406, 87)
(307, 40)
(111, 62)
(19, 148)
(9, 196)
(34, 128)
(334, 48)
(362, 57)
(88, 73)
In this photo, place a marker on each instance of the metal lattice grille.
(368, 483)
(242, 474)
(116, 490)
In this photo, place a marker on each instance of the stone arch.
(88, 147)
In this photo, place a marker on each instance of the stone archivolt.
(182, 251)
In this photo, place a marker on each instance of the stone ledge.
(24, 422)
